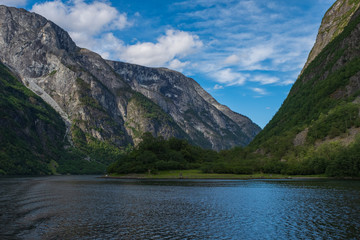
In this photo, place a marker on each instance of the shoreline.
(240, 178)
(198, 175)
(229, 178)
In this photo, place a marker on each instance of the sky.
(245, 53)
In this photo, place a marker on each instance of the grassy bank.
(197, 174)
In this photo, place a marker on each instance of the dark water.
(85, 207)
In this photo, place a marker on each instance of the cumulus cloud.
(173, 44)
(178, 65)
(91, 25)
(217, 87)
(110, 44)
(13, 3)
(84, 21)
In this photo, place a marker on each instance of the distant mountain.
(112, 101)
(191, 107)
(323, 106)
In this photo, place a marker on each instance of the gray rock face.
(105, 99)
(333, 23)
(192, 108)
(349, 47)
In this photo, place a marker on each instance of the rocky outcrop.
(192, 108)
(333, 23)
(105, 99)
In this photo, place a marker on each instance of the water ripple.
(83, 207)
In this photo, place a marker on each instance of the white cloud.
(287, 82)
(109, 45)
(177, 65)
(264, 80)
(84, 21)
(13, 3)
(260, 91)
(217, 87)
(253, 40)
(229, 77)
(253, 56)
(232, 59)
(91, 25)
(174, 44)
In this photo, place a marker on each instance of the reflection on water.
(86, 207)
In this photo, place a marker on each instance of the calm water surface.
(86, 207)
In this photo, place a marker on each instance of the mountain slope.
(322, 108)
(195, 111)
(333, 23)
(32, 134)
(110, 101)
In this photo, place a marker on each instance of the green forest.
(156, 154)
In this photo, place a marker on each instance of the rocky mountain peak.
(109, 101)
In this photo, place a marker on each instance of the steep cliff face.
(333, 23)
(51, 65)
(105, 99)
(323, 105)
(192, 108)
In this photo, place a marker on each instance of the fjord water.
(86, 207)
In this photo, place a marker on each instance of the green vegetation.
(32, 136)
(198, 174)
(147, 112)
(52, 73)
(31, 132)
(91, 156)
(175, 158)
(156, 154)
(336, 122)
(311, 95)
(74, 161)
(332, 159)
(153, 111)
(85, 95)
(343, 20)
(319, 102)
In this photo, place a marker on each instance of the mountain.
(113, 103)
(31, 132)
(192, 108)
(320, 118)
(34, 139)
(333, 23)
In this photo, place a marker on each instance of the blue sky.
(246, 53)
